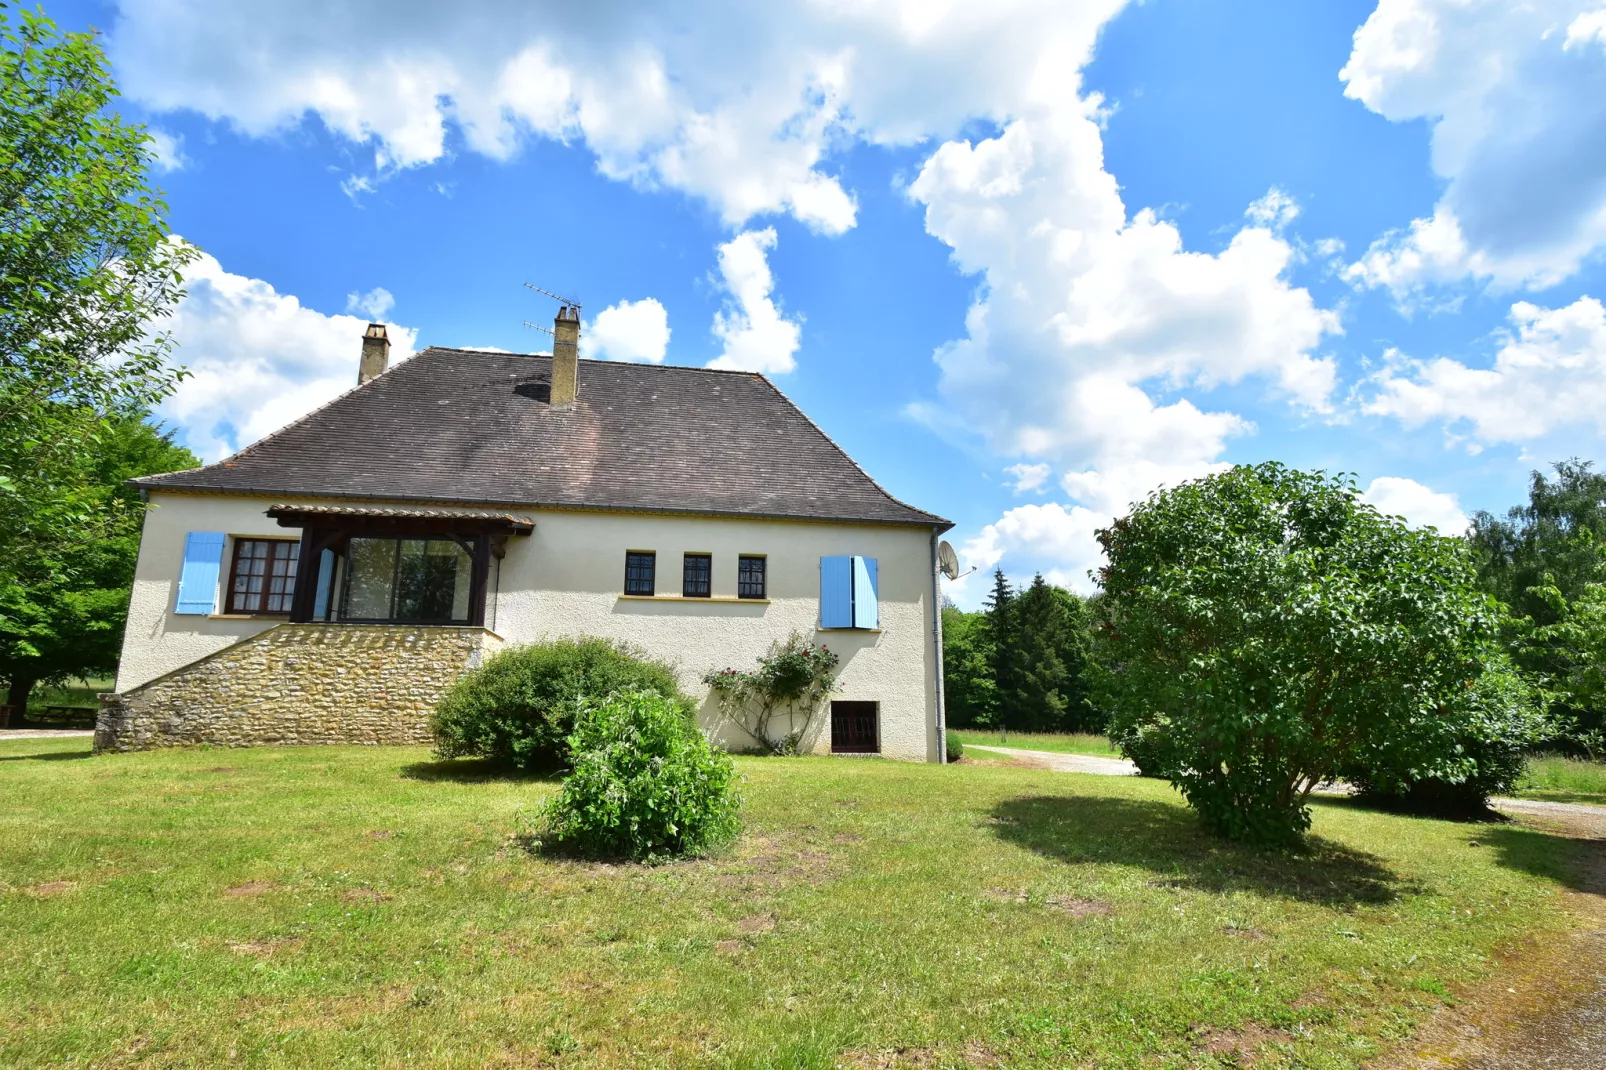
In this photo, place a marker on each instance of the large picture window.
(262, 578)
(426, 581)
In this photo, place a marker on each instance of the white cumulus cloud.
(757, 337)
(1549, 374)
(1087, 310)
(1516, 95)
(374, 304)
(1420, 506)
(1028, 477)
(630, 330)
(258, 358)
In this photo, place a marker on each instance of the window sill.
(248, 616)
(721, 598)
(861, 631)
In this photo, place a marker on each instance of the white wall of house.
(567, 578)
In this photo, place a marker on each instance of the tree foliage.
(1023, 663)
(86, 267)
(59, 622)
(1556, 542)
(1269, 631)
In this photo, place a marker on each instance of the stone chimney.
(566, 356)
(375, 353)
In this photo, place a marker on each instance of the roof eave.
(921, 520)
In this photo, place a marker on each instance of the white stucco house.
(326, 583)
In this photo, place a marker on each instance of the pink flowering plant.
(776, 703)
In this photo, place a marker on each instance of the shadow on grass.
(1169, 841)
(1577, 862)
(48, 756)
(475, 771)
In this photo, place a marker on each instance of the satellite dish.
(947, 560)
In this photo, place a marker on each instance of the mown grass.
(1059, 742)
(1557, 778)
(368, 907)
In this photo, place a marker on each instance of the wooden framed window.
(855, 728)
(697, 576)
(262, 578)
(750, 576)
(424, 581)
(641, 567)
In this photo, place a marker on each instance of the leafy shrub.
(519, 707)
(1266, 631)
(644, 784)
(955, 749)
(1149, 746)
(791, 682)
(1500, 720)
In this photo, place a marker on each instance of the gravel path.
(41, 733)
(1065, 763)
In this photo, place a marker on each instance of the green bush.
(1265, 630)
(1148, 745)
(519, 707)
(645, 784)
(1500, 719)
(956, 749)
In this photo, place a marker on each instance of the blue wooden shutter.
(197, 584)
(836, 592)
(866, 613)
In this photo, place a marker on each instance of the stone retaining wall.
(299, 684)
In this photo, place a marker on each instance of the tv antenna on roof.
(567, 304)
(559, 298)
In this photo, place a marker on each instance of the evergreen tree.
(1051, 658)
(1001, 633)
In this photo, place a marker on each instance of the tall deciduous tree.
(1556, 541)
(1280, 632)
(86, 267)
(969, 691)
(70, 624)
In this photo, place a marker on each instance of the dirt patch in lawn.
(973, 1054)
(1077, 907)
(1244, 1044)
(363, 895)
(51, 888)
(250, 889)
(758, 923)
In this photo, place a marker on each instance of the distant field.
(1556, 778)
(1060, 742)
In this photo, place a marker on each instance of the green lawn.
(367, 907)
(1560, 779)
(1060, 742)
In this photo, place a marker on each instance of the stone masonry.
(299, 684)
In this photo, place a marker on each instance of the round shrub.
(645, 784)
(1499, 720)
(519, 707)
(955, 749)
(1266, 630)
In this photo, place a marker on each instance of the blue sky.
(1023, 264)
